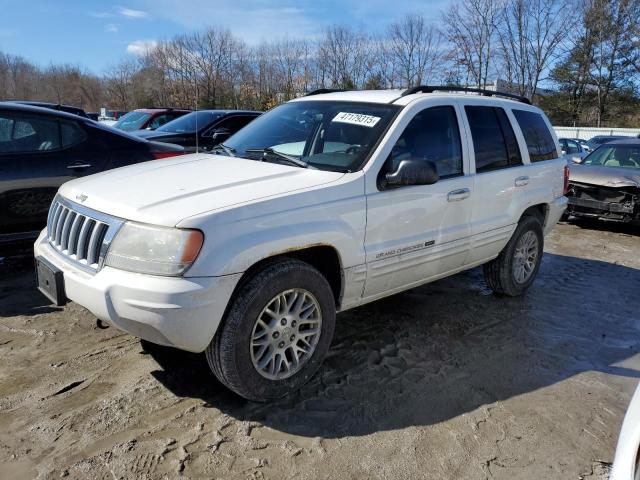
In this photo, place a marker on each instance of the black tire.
(499, 272)
(229, 354)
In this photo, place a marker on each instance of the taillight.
(161, 155)
(566, 179)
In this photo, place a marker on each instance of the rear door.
(500, 176)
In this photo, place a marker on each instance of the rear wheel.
(515, 269)
(276, 333)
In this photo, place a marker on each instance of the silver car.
(572, 150)
(606, 184)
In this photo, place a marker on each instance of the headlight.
(154, 250)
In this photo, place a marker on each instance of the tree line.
(585, 53)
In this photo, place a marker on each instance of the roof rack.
(320, 91)
(481, 91)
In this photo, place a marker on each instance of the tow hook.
(101, 325)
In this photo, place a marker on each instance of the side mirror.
(412, 172)
(576, 159)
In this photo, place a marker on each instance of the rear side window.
(72, 134)
(494, 142)
(23, 134)
(539, 140)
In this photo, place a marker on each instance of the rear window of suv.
(539, 140)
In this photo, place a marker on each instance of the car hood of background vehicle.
(153, 134)
(164, 192)
(615, 177)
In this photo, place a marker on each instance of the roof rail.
(325, 90)
(481, 91)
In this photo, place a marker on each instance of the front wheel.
(276, 332)
(515, 269)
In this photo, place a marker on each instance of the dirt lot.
(443, 381)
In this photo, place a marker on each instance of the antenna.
(197, 132)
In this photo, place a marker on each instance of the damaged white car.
(606, 184)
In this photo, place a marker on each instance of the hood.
(152, 134)
(614, 177)
(164, 192)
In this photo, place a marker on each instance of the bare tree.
(530, 33)
(471, 28)
(414, 48)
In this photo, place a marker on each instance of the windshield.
(190, 122)
(595, 141)
(132, 121)
(623, 156)
(328, 135)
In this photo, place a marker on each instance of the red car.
(148, 118)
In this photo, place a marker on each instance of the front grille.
(79, 234)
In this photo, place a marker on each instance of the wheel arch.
(540, 211)
(324, 258)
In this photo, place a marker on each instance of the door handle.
(457, 195)
(78, 165)
(521, 181)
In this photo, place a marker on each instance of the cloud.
(111, 28)
(141, 47)
(257, 20)
(130, 13)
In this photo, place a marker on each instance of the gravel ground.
(443, 381)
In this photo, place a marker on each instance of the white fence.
(588, 132)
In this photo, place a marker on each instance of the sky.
(97, 34)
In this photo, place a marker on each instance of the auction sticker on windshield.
(356, 119)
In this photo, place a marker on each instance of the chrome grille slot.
(79, 234)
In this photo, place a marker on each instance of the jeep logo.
(81, 197)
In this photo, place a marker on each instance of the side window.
(432, 135)
(160, 120)
(539, 140)
(23, 134)
(233, 124)
(494, 141)
(571, 147)
(72, 134)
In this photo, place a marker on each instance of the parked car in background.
(93, 115)
(55, 106)
(202, 130)
(572, 150)
(584, 143)
(148, 118)
(40, 149)
(110, 117)
(322, 204)
(595, 142)
(626, 464)
(606, 184)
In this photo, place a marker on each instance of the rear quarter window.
(539, 140)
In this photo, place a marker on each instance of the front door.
(417, 233)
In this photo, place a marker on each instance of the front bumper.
(175, 311)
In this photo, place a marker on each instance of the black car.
(55, 106)
(202, 130)
(40, 149)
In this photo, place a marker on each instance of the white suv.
(320, 205)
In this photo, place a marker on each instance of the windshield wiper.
(283, 156)
(230, 151)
